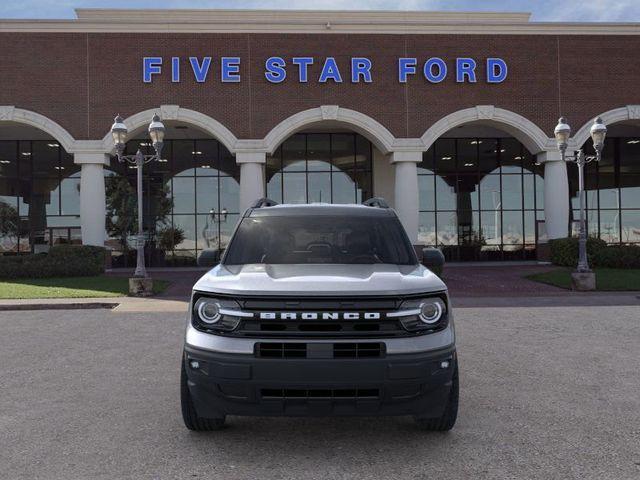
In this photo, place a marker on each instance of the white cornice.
(300, 21)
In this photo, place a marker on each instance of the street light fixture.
(119, 133)
(598, 133)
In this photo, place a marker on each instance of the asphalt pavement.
(547, 392)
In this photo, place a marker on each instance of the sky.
(542, 10)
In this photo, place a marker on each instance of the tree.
(122, 209)
(9, 221)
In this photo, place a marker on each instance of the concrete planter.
(583, 281)
(141, 287)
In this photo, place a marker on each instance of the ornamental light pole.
(562, 133)
(156, 132)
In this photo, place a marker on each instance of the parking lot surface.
(550, 392)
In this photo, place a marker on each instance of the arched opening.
(191, 198)
(481, 195)
(39, 190)
(612, 186)
(321, 164)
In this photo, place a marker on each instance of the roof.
(310, 21)
(319, 209)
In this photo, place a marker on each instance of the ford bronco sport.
(319, 310)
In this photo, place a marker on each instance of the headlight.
(431, 311)
(215, 314)
(423, 314)
(208, 310)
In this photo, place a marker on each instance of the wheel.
(448, 418)
(191, 419)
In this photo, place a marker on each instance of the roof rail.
(377, 202)
(263, 202)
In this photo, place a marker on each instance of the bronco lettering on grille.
(320, 316)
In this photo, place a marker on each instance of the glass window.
(445, 194)
(294, 153)
(343, 187)
(427, 228)
(313, 239)
(319, 152)
(512, 192)
(294, 187)
(630, 223)
(207, 195)
(610, 225)
(445, 156)
(320, 187)
(426, 188)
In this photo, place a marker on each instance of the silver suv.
(319, 310)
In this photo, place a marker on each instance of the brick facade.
(80, 80)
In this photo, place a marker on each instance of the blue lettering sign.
(406, 66)
(303, 67)
(200, 71)
(230, 69)
(175, 69)
(496, 70)
(275, 69)
(360, 67)
(428, 70)
(330, 71)
(151, 66)
(465, 67)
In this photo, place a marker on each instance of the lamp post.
(562, 133)
(119, 133)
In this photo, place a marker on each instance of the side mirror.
(433, 259)
(209, 258)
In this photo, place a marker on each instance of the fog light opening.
(194, 364)
(444, 364)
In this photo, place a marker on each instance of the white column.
(92, 197)
(251, 177)
(406, 190)
(556, 194)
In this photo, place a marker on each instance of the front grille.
(281, 350)
(262, 328)
(320, 350)
(320, 394)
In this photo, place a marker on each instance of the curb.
(57, 306)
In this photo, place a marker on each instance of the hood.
(322, 279)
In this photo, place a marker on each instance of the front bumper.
(237, 384)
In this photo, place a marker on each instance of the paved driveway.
(546, 393)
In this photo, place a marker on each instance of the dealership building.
(448, 116)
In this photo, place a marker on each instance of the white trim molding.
(523, 129)
(179, 114)
(309, 21)
(373, 130)
(10, 113)
(629, 112)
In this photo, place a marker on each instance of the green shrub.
(564, 251)
(61, 261)
(618, 256)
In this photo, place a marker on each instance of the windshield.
(316, 239)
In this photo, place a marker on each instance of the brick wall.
(82, 80)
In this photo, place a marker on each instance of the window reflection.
(39, 196)
(612, 188)
(321, 167)
(477, 202)
(200, 180)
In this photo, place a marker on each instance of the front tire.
(448, 418)
(189, 415)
